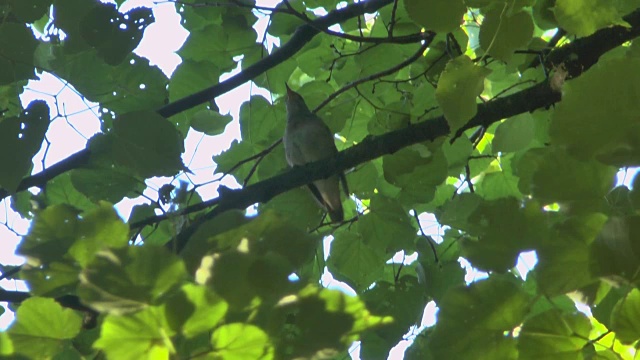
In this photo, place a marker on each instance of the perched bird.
(307, 139)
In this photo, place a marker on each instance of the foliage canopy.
(510, 134)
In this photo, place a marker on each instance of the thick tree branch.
(535, 97)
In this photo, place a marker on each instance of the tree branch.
(535, 97)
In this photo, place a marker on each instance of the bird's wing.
(345, 186)
(315, 141)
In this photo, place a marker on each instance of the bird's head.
(295, 103)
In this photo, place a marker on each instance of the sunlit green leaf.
(584, 17)
(43, 327)
(458, 87)
(144, 334)
(554, 334)
(239, 341)
(624, 317)
(145, 274)
(502, 33)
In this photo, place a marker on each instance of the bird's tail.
(336, 214)
(328, 195)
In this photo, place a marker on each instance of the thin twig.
(405, 39)
(377, 75)
(393, 17)
(427, 237)
(261, 154)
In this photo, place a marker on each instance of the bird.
(307, 139)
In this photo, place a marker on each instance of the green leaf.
(17, 47)
(321, 321)
(584, 17)
(51, 235)
(503, 229)
(105, 184)
(144, 275)
(114, 35)
(98, 229)
(210, 122)
(500, 184)
(387, 228)
(240, 341)
(440, 277)
(299, 205)
(189, 77)
(132, 85)
(543, 14)
(315, 61)
(550, 174)
(472, 321)
(43, 328)
(155, 154)
(6, 345)
(363, 180)
(404, 301)
(554, 335)
(502, 33)
(29, 11)
(438, 15)
(624, 318)
(60, 190)
(417, 171)
(230, 276)
(217, 35)
(229, 159)
(516, 133)
(568, 248)
(143, 335)
(456, 212)
(353, 261)
(20, 139)
(459, 85)
(283, 24)
(203, 241)
(615, 252)
(604, 308)
(260, 122)
(195, 310)
(607, 120)
(275, 78)
(370, 62)
(251, 260)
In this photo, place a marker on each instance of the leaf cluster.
(470, 111)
